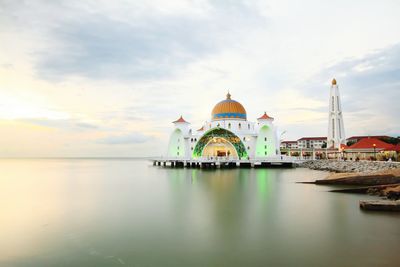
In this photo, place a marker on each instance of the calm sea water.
(82, 212)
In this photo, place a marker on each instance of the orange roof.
(181, 120)
(366, 143)
(265, 117)
(228, 109)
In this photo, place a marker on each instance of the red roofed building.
(355, 139)
(370, 143)
(368, 148)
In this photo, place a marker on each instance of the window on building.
(248, 126)
(218, 125)
(333, 128)
(229, 125)
(265, 139)
(248, 148)
(191, 139)
(240, 126)
(265, 153)
(265, 146)
(244, 138)
(178, 147)
(191, 148)
(333, 103)
(177, 153)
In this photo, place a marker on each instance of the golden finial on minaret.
(228, 95)
(334, 81)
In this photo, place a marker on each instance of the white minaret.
(336, 134)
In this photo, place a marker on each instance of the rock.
(380, 205)
(349, 166)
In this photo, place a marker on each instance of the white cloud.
(133, 67)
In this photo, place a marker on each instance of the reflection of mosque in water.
(229, 134)
(224, 198)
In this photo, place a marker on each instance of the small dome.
(180, 120)
(265, 117)
(334, 81)
(228, 109)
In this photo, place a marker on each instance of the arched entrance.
(219, 139)
(219, 147)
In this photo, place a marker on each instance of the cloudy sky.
(106, 78)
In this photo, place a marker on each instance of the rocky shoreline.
(349, 166)
(365, 177)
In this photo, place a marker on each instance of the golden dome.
(228, 109)
(334, 81)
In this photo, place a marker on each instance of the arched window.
(229, 125)
(240, 126)
(248, 126)
(265, 139)
(191, 139)
(244, 138)
(248, 148)
(178, 147)
(191, 148)
(218, 125)
(265, 153)
(265, 146)
(195, 139)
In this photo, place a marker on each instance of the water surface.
(116, 212)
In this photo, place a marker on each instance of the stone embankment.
(350, 166)
(370, 177)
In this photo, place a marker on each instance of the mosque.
(228, 135)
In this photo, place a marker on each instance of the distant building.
(336, 135)
(289, 145)
(355, 139)
(312, 142)
(369, 148)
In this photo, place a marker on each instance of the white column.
(336, 134)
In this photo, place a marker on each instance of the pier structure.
(221, 162)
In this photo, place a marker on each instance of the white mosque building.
(227, 135)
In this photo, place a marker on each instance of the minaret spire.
(228, 95)
(336, 135)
